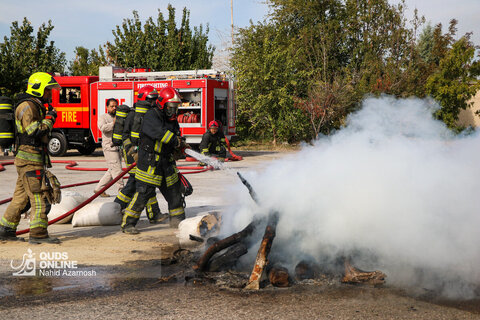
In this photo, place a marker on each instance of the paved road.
(133, 290)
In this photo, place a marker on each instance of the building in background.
(468, 117)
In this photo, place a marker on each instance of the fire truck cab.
(206, 95)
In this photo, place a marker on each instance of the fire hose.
(84, 203)
(71, 166)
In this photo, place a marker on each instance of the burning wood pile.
(224, 253)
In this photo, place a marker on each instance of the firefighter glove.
(179, 142)
(131, 151)
(184, 147)
(51, 115)
(182, 144)
(51, 188)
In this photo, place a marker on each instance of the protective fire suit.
(213, 144)
(125, 195)
(31, 159)
(141, 108)
(156, 167)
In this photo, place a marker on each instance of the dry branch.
(354, 275)
(262, 255)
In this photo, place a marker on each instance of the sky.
(89, 23)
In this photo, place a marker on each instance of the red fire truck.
(206, 95)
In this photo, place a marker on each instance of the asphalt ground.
(128, 270)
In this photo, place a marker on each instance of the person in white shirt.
(112, 153)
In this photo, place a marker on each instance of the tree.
(159, 44)
(87, 62)
(24, 53)
(266, 79)
(455, 82)
(426, 43)
(310, 64)
(326, 105)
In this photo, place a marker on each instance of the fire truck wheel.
(87, 150)
(57, 146)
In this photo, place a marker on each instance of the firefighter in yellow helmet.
(34, 124)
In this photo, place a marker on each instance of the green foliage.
(159, 44)
(266, 79)
(312, 61)
(426, 43)
(87, 62)
(321, 57)
(455, 82)
(24, 53)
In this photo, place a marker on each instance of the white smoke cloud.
(394, 184)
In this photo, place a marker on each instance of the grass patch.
(251, 145)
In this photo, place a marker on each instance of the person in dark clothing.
(154, 215)
(159, 139)
(213, 142)
(147, 97)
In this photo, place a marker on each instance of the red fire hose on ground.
(81, 205)
(71, 165)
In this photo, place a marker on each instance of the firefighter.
(34, 124)
(213, 142)
(146, 100)
(111, 152)
(159, 139)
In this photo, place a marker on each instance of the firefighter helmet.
(147, 93)
(213, 123)
(39, 81)
(169, 99)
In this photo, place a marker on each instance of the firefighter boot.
(129, 229)
(9, 234)
(159, 218)
(175, 220)
(51, 240)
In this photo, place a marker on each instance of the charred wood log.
(211, 241)
(195, 238)
(304, 270)
(354, 275)
(233, 239)
(222, 244)
(228, 258)
(262, 256)
(249, 187)
(279, 276)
